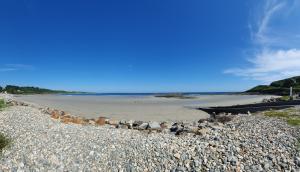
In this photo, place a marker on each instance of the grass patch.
(285, 98)
(293, 121)
(290, 115)
(298, 144)
(2, 104)
(278, 114)
(4, 141)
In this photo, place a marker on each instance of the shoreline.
(144, 108)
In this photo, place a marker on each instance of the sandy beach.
(145, 108)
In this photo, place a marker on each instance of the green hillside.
(11, 89)
(281, 87)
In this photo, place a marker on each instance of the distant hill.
(11, 89)
(281, 87)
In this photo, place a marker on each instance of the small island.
(175, 95)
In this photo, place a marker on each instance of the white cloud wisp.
(15, 67)
(279, 52)
(271, 65)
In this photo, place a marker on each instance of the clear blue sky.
(147, 45)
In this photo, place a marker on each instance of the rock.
(154, 126)
(113, 122)
(136, 124)
(130, 123)
(203, 125)
(174, 128)
(123, 122)
(78, 120)
(233, 160)
(203, 131)
(66, 120)
(101, 121)
(92, 153)
(91, 122)
(55, 114)
(177, 156)
(297, 161)
(54, 160)
(122, 126)
(21, 165)
(47, 111)
(190, 129)
(202, 120)
(164, 125)
(217, 127)
(180, 169)
(62, 113)
(143, 126)
(86, 120)
(266, 165)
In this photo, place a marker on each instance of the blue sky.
(148, 45)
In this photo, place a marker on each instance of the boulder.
(86, 120)
(154, 126)
(206, 120)
(136, 124)
(130, 124)
(164, 125)
(78, 120)
(62, 113)
(123, 122)
(67, 116)
(122, 126)
(55, 114)
(190, 129)
(101, 121)
(113, 122)
(92, 122)
(48, 111)
(66, 120)
(143, 126)
(177, 127)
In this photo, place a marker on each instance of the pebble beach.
(247, 143)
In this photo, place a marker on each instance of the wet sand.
(145, 108)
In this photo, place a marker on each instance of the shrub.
(285, 98)
(224, 119)
(4, 141)
(2, 104)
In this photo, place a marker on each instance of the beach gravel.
(248, 143)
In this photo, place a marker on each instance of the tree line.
(11, 89)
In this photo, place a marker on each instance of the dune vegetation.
(281, 87)
(292, 116)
